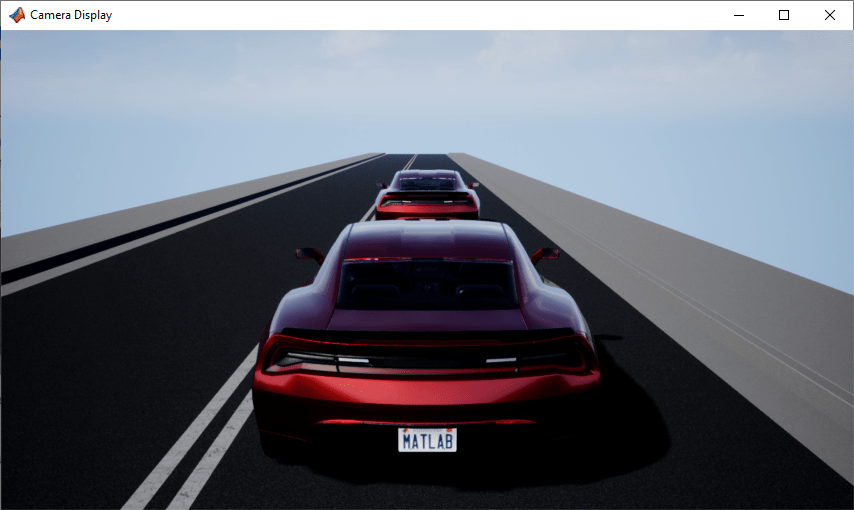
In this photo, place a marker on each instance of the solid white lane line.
(35, 279)
(371, 212)
(194, 484)
(173, 457)
(365, 217)
(160, 473)
(409, 164)
(200, 475)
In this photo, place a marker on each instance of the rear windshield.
(427, 184)
(427, 284)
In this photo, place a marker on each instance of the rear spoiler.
(427, 193)
(420, 337)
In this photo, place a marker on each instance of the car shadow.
(631, 434)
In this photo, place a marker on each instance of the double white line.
(173, 457)
(369, 216)
(200, 475)
(408, 165)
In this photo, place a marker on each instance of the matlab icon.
(17, 15)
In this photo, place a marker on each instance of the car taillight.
(284, 359)
(571, 359)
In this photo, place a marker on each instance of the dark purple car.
(426, 335)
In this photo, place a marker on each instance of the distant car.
(427, 194)
(426, 336)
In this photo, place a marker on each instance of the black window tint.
(427, 284)
(427, 184)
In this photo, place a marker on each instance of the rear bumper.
(548, 406)
(462, 212)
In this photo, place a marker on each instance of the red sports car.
(426, 336)
(427, 194)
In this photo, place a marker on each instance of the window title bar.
(429, 15)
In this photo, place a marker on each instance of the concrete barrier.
(39, 246)
(784, 342)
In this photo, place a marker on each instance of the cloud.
(668, 72)
(473, 74)
(349, 43)
(527, 49)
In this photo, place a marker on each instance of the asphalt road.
(105, 367)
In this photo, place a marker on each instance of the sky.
(742, 139)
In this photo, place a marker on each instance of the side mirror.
(310, 253)
(381, 185)
(474, 185)
(545, 253)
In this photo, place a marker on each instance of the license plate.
(426, 440)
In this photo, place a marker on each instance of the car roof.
(427, 173)
(428, 239)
